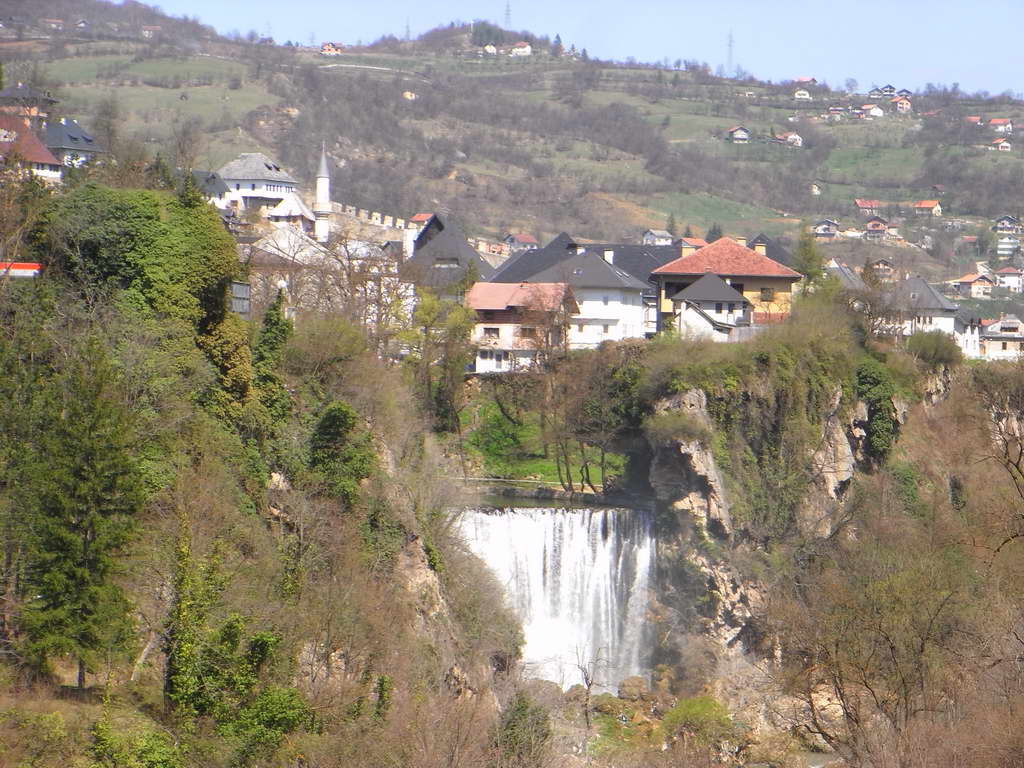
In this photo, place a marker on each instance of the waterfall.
(578, 579)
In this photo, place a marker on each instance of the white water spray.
(578, 579)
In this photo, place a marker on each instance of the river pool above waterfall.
(578, 578)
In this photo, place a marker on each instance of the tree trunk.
(141, 660)
(81, 674)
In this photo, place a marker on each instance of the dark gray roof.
(710, 287)
(638, 261)
(210, 183)
(254, 165)
(432, 261)
(23, 94)
(774, 250)
(69, 134)
(589, 270)
(915, 293)
(847, 277)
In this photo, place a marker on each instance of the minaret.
(322, 206)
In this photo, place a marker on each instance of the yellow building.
(765, 283)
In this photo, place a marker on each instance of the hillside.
(542, 143)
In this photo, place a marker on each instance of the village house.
(52, 25)
(690, 243)
(884, 270)
(18, 270)
(520, 241)
(1002, 339)
(868, 207)
(875, 93)
(738, 135)
(845, 275)
(20, 148)
(656, 237)
(1001, 125)
(521, 49)
(443, 261)
(915, 306)
(766, 284)
(258, 184)
(900, 104)
(1010, 278)
(802, 94)
(876, 228)
(905, 93)
(709, 308)
(489, 50)
(617, 298)
(151, 32)
(888, 90)
(826, 229)
(1007, 246)
(974, 120)
(872, 110)
(31, 105)
(331, 49)
(1000, 145)
(973, 285)
(1007, 224)
(792, 138)
(927, 208)
(70, 143)
(518, 323)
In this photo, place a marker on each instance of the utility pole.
(508, 14)
(408, 35)
(728, 67)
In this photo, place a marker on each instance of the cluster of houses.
(30, 140)
(875, 228)
(54, 26)
(898, 102)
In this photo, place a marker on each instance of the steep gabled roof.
(445, 258)
(68, 134)
(17, 140)
(915, 293)
(710, 287)
(862, 203)
(693, 242)
(23, 95)
(727, 257)
(926, 203)
(210, 183)
(254, 165)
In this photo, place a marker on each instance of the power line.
(508, 14)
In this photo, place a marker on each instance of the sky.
(907, 43)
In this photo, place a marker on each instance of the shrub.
(702, 717)
(667, 426)
(875, 386)
(935, 349)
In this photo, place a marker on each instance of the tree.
(671, 225)
(688, 232)
(266, 361)
(556, 48)
(523, 735)
(714, 233)
(87, 490)
(807, 259)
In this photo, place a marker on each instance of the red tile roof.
(501, 296)
(999, 121)
(524, 238)
(422, 217)
(726, 257)
(972, 119)
(1001, 141)
(693, 242)
(1008, 271)
(926, 203)
(16, 139)
(860, 203)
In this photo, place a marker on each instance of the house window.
(485, 354)
(579, 328)
(604, 300)
(1004, 346)
(491, 333)
(238, 187)
(253, 185)
(767, 294)
(528, 333)
(604, 329)
(732, 307)
(718, 307)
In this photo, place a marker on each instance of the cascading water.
(578, 579)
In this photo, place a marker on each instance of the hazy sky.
(905, 42)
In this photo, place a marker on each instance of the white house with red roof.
(1010, 278)
(766, 284)
(1000, 145)
(521, 48)
(738, 135)
(1002, 339)
(20, 148)
(974, 285)
(517, 323)
(868, 207)
(1001, 125)
(927, 208)
(901, 105)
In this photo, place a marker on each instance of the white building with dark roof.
(709, 308)
(255, 182)
(70, 143)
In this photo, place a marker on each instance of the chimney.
(741, 240)
(761, 248)
(609, 255)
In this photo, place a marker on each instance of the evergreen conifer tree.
(714, 233)
(87, 491)
(807, 261)
(266, 360)
(688, 232)
(672, 226)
